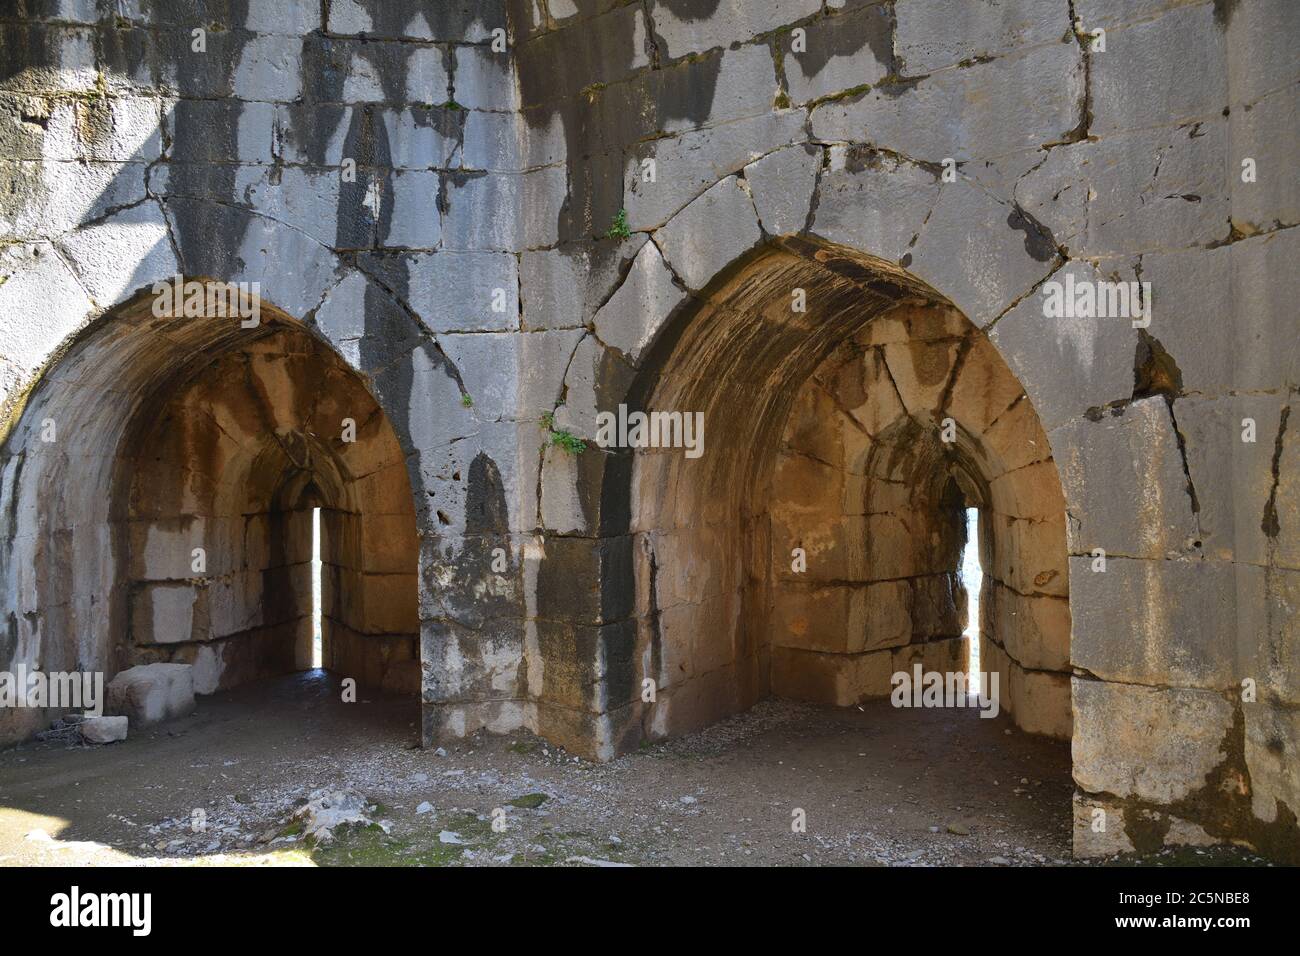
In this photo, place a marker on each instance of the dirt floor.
(878, 786)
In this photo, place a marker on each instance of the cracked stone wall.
(438, 211)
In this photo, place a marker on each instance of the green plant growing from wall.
(562, 437)
(619, 229)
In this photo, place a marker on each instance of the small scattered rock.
(326, 810)
(103, 730)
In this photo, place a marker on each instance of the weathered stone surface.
(1184, 200)
(499, 141)
(710, 233)
(103, 730)
(286, 17)
(782, 184)
(538, 195)
(1266, 132)
(1157, 744)
(270, 68)
(1271, 757)
(841, 680)
(873, 202)
(639, 308)
(483, 79)
(150, 693)
(1266, 352)
(1233, 477)
(1155, 622)
(842, 53)
(1260, 38)
(1067, 365)
(1124, 483)
(1160, 72)
(138, 236)
(415, 222)
(578, 413)
(1017, 102)
(687, 165)
(1034, 629)
(1040, 702)
(920, 372)
(982, 272)
(40, 302)
(47, 199)
(933, 34)
(461, 22)
(454, 291)
(1268, 630)
(126, 129)
(682, 31)
(1098, 827)
(566, 286)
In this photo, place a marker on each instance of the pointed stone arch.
(167, 518)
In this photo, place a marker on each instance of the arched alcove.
(853, 413)
(163, 478)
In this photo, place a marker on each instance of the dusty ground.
(879, 787)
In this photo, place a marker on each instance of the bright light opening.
(971, 578)
(317, 658)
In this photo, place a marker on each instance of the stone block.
(1155, 622)
(1160, 72)
(1158, 744)
(454, 291)
(873, 202)
(980, 253)
(782, 184)
(416, 222)
(921, 371)
(1233, 478)
(841, 53)
(1067, 365)
(710, 233)
(687, 165)
(150, 693)
(1034, 629)
(1124, 483)
(734, 21)
(103, 730)
(933, 34)
(837, 679)
(1184, 196)
(1040, 702)
(567, 286)
(640, 307)
(1273, 760)
(1098, 827)
(1265, 291)
(1012, 104)
(163, 614)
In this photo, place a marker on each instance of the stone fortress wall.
(475, 225)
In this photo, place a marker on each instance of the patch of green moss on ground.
(529, 801)
(371, 846)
